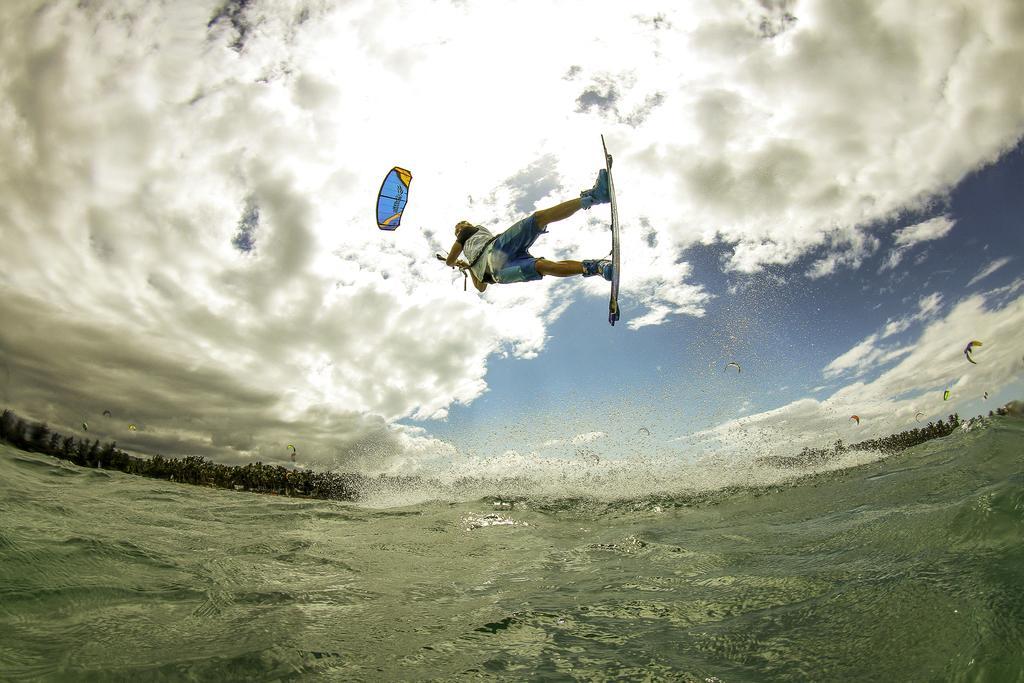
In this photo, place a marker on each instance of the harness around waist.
(483, 249)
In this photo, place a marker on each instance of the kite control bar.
(464, 269)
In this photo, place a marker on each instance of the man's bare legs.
(559, 268)
(547, 216)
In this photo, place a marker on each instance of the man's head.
(462, 225)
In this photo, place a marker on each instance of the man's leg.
(559, 268)
(595, 195)
(602, 267)
(557, 213)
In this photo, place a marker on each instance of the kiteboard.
(613, 301)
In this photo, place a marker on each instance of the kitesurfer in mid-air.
(505, 258)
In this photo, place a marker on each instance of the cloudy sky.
(828, 193)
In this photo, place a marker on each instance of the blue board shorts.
(510, 260)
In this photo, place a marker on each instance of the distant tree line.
(260, 478)
(888, 445)
(192, 469)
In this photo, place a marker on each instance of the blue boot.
(598, 194)
(602, 267)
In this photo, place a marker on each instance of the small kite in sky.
(945, 395)
(855, 417)
(969, 349)
(106, 413)
(132, 428)
(735, 365)
(393, 196)
(919, 416)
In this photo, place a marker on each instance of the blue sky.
(187, 218)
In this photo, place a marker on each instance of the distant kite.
(393, 196)
(294, 452)
(945, 395)
(106, 413)
(85, 426)
(735, 365)
(969, 349)
(855, 417)
(645, 431)
(132, 427)
(919, 416)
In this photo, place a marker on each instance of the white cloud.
(1008, 290)
(660, 296)
(863, 357)
(849, 248)
(750, 256)
(932, 229)
(867, 355)
(798, 138)
(855, 357)
(989, 269)
(927, 308)
(905, 238)
(889, 403)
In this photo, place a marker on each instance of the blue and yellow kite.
(394, 194)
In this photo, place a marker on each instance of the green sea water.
(908, 568)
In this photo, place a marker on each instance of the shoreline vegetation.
(256, 477)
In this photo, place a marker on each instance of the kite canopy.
(734, 364)
(919, 416)
(969, 348)
(855, 417)
(394, 193)
(945, 395)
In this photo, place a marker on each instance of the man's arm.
(453, 255)
(454, 261)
